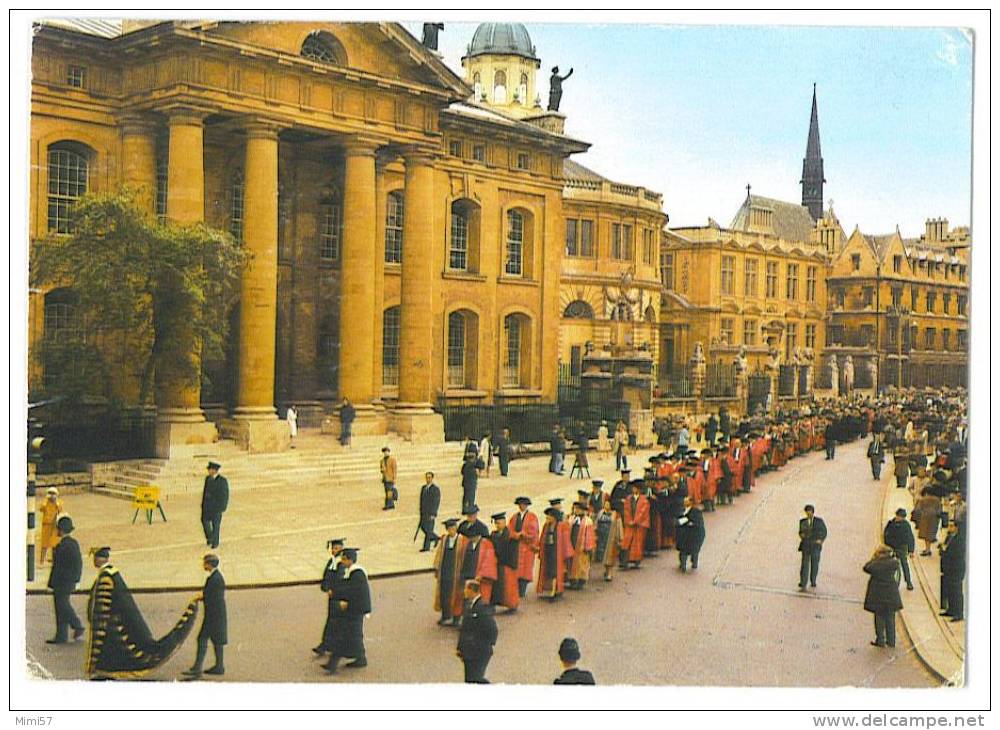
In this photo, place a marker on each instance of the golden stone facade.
(406, 245)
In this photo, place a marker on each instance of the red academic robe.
(736, 466)
(757, 451)
(696, 485)
(636, 524)
(527, 543)
(714, 475)
(486, 567)
(564, 551)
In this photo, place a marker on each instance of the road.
(738, 621)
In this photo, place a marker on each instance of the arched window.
(390, 346)
(516, 364)
(499, 88)
(394, 228)
(477, 86)
(522, 89)
(236, 187)
(331, 226)
(323, 47)
(69, 169)
(518, 253)
(578, 310)
(61, 324)
(650, 314)
(456, 350)
(463, 245)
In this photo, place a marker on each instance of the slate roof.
(792, 221)
(101, 27)
(575, 171)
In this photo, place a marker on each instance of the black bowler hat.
(451, 522)
(523, 500)
(214, 465)
(65, 524)
(499, 516)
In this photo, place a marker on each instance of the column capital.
(361, 146)
(184, 114)
(420, 155)
(137, 124)
(262, 128)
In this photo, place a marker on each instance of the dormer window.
(323, 47)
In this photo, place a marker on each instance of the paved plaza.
(738, 621)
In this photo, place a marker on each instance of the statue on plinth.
(848, 375)
(742, 367)
(430, 36)
(699, 370)
(831, 373)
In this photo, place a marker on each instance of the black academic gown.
(507, 552)
(332, 574)
(215, 625)
(348, 631)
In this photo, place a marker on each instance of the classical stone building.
(610, 287)
(407, 244)
(758, 285)
(899, 309)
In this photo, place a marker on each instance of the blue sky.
(697, 112)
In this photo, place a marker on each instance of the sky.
(699, 112)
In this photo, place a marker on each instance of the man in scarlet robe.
(758, 450)
(695, 479)
(523, 526)
(711, 473)
(584, 540)
(505, 591)
(726, 480)
(477, 561)
(447, 571)
(636, 522)
(554, 549)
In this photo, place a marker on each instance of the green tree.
(146, 293)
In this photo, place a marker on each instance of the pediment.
(386, 50)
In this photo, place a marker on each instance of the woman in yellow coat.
(50, 509)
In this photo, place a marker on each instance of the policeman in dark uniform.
(569, 655)
(478, 635)
(354, 601)
(333, 572)
(214, 627)
(67, 567)
(214, 500)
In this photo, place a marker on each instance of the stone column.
(180, 419)
(378, 277)
(255, 423)
(139, 158)
(359, 249)
(413, 417)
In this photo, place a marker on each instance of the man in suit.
(812, 533)
(354, 601)
(953, 572)
(332, 574)
(430, 501)
(478, 635)
(569, 655)
(214, 500)
(830, 439)
(388, 468)
(690, 534)
(214, 625)
(503, 451)
(470, 481)
(876, 455)
(899, 536)
(67, 568)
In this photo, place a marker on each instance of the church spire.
(812, 167)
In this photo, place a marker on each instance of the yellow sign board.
(146, 498)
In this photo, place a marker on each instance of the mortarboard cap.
(351, 553)
(471, 510)
(214, 465)
(522, 500)
(597, 482)
(499, 516)
(553, 512)
(101, 552)
(451, 522)
(555, 502)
